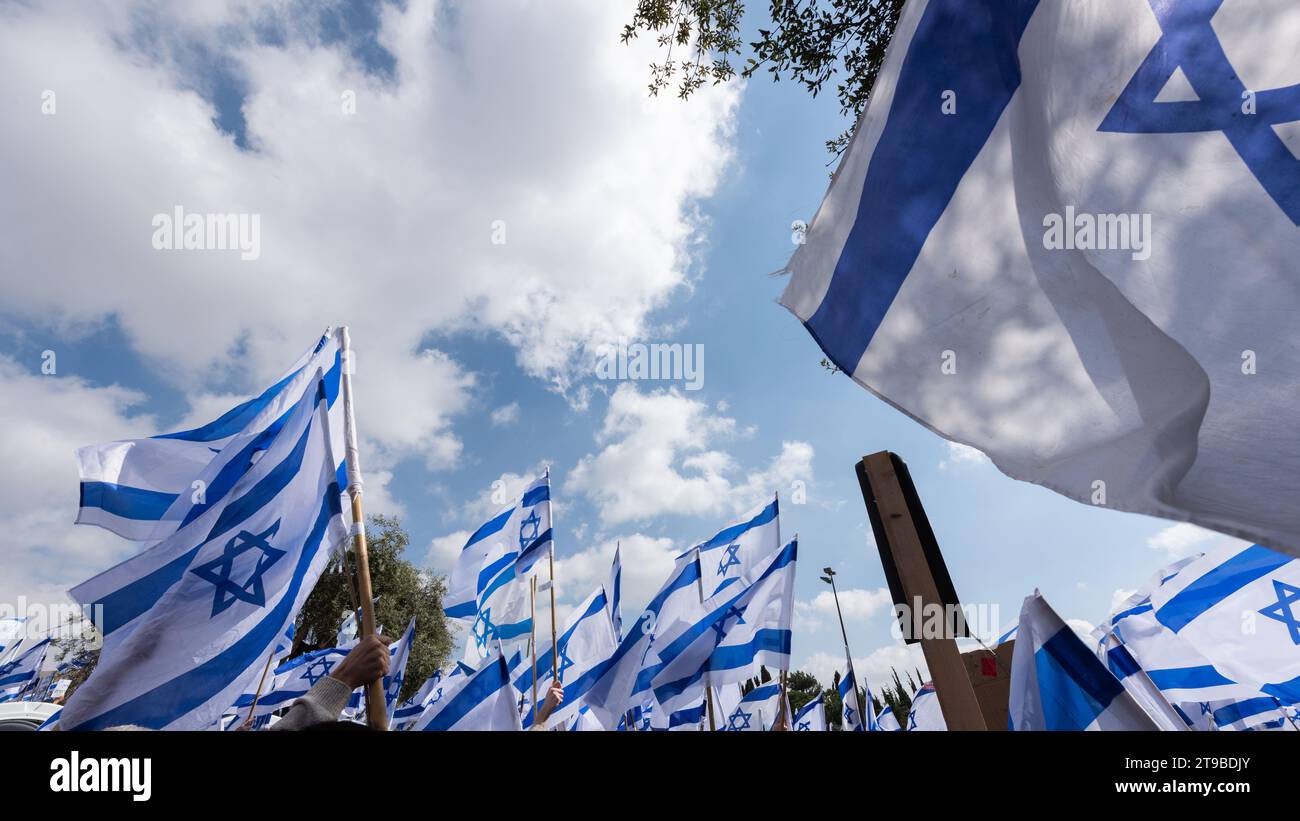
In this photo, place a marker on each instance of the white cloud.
(962, 455)
(1119, 597)
(659, 456)
(505, 415)
(875, 668)
(647, 563)
(45, 419)
(857, 605)
(1181, 540)
(443, 551)
(382, 219)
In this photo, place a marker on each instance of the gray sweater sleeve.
(323, 702)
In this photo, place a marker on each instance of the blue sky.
(656, 220)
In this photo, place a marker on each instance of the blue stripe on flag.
(921, 157)
(126, 501)
(1121, 662)
(1188, 678)
(1250, 564)
(482, 686)
(1073, 685)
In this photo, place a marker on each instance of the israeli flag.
(483, 700)
(584, 721)
(21, 672)
(926, 715)
(725, 701)
(585, 641)
(738, 548)
(1051, 198)
(408, 711)
(488, 583)
(1261, 712)
(812, 717)
(758, 710)
(242, 572)
(288, 683)
(1058, 684)
(400, 653)
(621, 682)
(851, 706)
(886, 721)
(1240, 609)
(145, 489)
(347, 630)
(1174, 666)
(1137, 682)
(728, 636)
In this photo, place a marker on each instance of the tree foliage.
(810, 42)
(404, 591)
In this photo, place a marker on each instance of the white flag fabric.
(758, 710)
(615, 591)
(926, 715)
(850, 707)
(728, 636)
(1240, 610)
(739, 547)
(482, 700)
(585, 641)
(488, 583)
(11, 633)
(245, 566)
(725, 701)
(886, 721)
(584, 721)
(1137, 682)
(1057, 683)
(146, 488)
(1021, 253)
(812, 717)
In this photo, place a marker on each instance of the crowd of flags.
(197, 627)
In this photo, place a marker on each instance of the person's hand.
(364, 663)
(554, 698)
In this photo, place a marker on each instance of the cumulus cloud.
(857, 605)
(660, 456)
(547, 207)
(875, 668)
(647, 562)
(960, 455)
(505, 415)
(1181, 540)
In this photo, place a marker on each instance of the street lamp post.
(829, 578)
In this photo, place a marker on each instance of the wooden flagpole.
(376, 714)
(260, 685)
(532, 619)
(911, 563)
(555, 644)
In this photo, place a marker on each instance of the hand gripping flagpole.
(376, 714)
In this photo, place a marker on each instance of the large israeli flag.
(147, 488)
(739, 547)
(1137, 682)
(1041, 205)
(1057, 683)
(758, 710)
(585, 641)
(1240, 609)
(728, 636)
(489, 584)
(243, 569)
(483, 700)
(812, 717)
(1172, 664)
(851, 710)
(622, 681)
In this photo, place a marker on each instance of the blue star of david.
(729, 559)
(1188, 42)
(734, 721)
(1281, 611)
(437, 696)
(804, 725)
(911, 721)
(565, 661)
(311, 673)
(218, 571)
(850, 716)
(527, 536)
(721, 625)
(484, 635)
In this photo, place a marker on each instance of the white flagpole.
(376, 714)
